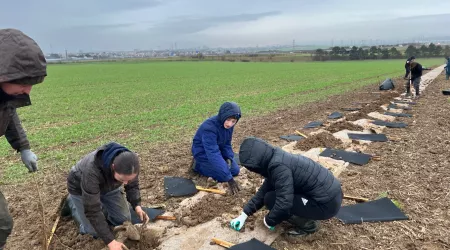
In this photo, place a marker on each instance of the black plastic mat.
(372, 211)
(178, 186)
(335, 115)
(352, 157)
(151, 212)
(387, 85)
(446, 92)
(368, 137)
(313, 124)
(292, 137)
(390, 124)
(252, 244)
(397, 115)
(393, 106)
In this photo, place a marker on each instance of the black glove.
(234, 188)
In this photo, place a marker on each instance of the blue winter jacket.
(211, 145)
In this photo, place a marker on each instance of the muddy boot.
(302, 226)
(192, 168)
(65, 209)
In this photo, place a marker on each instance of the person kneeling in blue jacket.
(295, 189)
(211, 147)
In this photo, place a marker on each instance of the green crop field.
(80, 106)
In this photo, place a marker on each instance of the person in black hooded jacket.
(95, 184)
(408, 66)
(295, 189)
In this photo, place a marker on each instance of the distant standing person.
(22, 65)
(408, 65)
(211, 146)
(447, 68)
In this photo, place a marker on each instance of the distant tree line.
(374, 52)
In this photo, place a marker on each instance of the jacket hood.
(110, 151)
(255, 155)
(21, 59)
(229, 109)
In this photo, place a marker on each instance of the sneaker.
(302, 226)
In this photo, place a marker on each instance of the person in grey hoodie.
(97, 183)
(22, 65)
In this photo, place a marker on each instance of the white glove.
(238, 223)
(29, 159)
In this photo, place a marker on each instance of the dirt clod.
(324, 139)
(338, 126)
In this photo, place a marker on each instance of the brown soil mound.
(384, 98)
(212, 206)
(324, 139)
(338, 126)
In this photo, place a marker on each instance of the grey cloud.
(99, 27)
(191, 24)
(391, 30)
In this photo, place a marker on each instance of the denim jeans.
(114, 205)
(6, 221)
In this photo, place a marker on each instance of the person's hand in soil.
(239, 222)
(116, 245)
(234, 188)
(142, 215)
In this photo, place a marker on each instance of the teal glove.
(269, 227)
(29, 159)
(238, 223)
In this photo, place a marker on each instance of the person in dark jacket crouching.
(95, 185)
(211, 146)
(295, 189)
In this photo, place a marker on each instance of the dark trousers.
(416, 85)
(6, 221)
(311, 210)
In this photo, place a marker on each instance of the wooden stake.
(44, 227)
(355, 198)
(165, 217)
(211, 190)
(394, 138)
(55, 225)
(222, 243)
(300, 134)
(376, 158)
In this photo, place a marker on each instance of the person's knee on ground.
(235, 170)
(77, 211)
(6, 226)
(302, 224)
(217, 174)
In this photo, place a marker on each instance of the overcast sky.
(152, 24)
